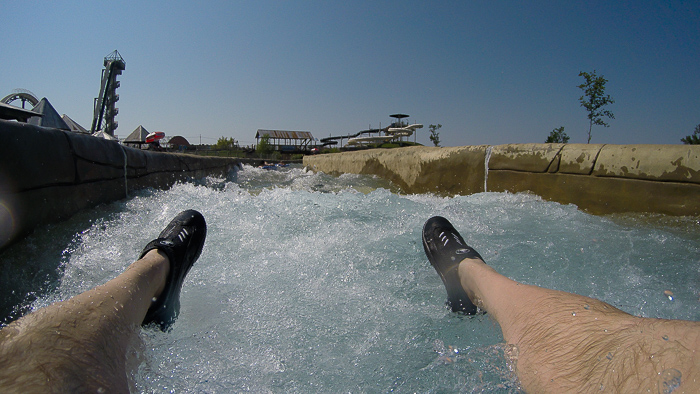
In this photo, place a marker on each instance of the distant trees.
(434, 135)
(594, 100)
(693, 139)
(225, 143)
(558, 136)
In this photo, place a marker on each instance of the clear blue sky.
(491, 72)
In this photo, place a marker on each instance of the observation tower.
(105, 105)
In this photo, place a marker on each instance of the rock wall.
(47, 175)
(600, 179)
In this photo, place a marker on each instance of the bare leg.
(564, 342)
(80, 344)
(567, 342)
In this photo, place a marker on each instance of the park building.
(287, 141)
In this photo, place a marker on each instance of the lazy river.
(314, 283)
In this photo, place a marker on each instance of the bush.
(264, 147)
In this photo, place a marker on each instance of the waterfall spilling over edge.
(486, 168)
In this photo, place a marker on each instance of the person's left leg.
(80, 344)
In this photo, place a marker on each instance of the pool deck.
(598, 178)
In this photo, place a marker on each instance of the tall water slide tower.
(105, 105)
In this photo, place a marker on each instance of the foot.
(445, 249)
(182, 241)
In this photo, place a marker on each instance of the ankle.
(467, 273)
(158, 267)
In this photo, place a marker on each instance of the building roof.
(10, 112)
(49, 118)
(283, 134)
(137, 136)
(73, 125)
(102, 134)
(179, 141)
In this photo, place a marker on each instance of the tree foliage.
(558, 136)
(594, 100)
(693, 139)
(264, 147)
(434, 135)
(225, 143)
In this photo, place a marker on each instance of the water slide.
(404, 131)
(392, 133)
(370, 140)
(334, 140)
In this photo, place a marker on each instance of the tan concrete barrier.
(600, 179)
(447, 171)
(47, 175)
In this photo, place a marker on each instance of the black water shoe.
(445, 249)
(182, 241)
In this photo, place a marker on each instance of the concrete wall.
(47, 175)
(600, 179)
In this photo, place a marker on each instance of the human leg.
(567, 342)
(80, 344)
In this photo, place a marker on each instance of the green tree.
(434, 135)
(264, 147)
(558, 136)
(225, 143)
(594, 99)
(693, 139)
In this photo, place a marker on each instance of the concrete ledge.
(524, 157)
(578, 159)
(679, 163)
(47, 175)
(600, 178)
(603, 195)
(457, 170)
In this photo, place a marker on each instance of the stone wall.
(600, 179)
(47, 175)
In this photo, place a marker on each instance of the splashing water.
(309, 282)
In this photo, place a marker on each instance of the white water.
(311, 283)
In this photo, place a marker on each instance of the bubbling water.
(309, 282)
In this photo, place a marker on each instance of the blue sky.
(491, 72)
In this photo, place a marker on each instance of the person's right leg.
(564, 341)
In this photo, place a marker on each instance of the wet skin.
(563, 342)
